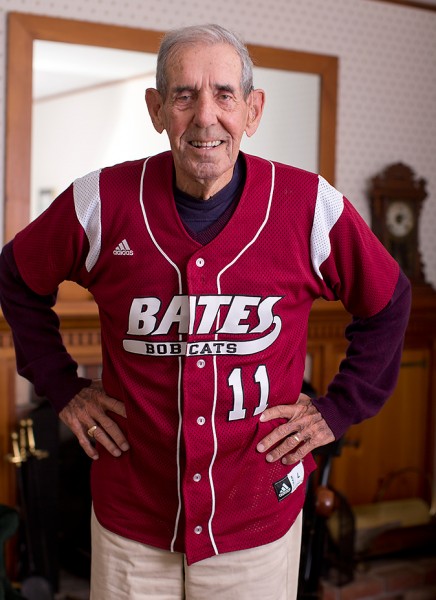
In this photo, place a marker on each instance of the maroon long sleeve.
(40, 353)
(369, 373)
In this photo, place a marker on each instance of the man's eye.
(184, 97)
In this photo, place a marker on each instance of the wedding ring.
(91, 431)
(297, 439)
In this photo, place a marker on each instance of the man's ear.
(155, 105)
(256, 103)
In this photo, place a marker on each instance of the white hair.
(208, 34)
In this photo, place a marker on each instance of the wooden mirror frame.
(23, 29)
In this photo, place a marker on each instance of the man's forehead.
(219, 64)
(219, 54)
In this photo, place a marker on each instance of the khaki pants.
(126, 570)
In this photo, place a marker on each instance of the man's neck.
(204, 189)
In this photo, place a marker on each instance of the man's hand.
(304, 431)
(88, 410)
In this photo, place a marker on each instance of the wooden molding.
(327, 68)
(411, 4)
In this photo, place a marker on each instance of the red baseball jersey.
(199, 340)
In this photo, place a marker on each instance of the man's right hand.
(87, 411)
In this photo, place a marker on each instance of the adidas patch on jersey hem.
(289, 484)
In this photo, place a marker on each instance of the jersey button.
(201, 363)
(198, 529)
(201, 420)
(200, 262)
(197, 477)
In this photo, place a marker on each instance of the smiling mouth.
(198, 144)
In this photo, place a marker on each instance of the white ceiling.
(60, 68)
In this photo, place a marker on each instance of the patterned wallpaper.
(387, 79)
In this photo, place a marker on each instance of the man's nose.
(205, 111)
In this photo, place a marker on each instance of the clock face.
(400, 219)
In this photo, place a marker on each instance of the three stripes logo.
(123, 249)
(289, 484)
(284, 490)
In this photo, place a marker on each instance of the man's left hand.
(304, 431)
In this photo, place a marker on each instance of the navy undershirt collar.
(198, 215)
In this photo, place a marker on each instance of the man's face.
(205, 115)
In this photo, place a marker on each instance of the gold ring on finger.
(91, 431)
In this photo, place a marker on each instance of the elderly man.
(204, 263)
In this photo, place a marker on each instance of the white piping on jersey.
(179, 437)
(147, 224)
(328, 209)
(215, 367)
(179, 379)
(87, 204)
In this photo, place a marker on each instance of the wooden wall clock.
(396, 198)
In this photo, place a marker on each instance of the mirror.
(27, 30)
(88, 111)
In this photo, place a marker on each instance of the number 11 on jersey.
(235, 382)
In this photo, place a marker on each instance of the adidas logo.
(285, 489)
(123, 249)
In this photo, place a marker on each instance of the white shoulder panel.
(88, 210)
(328, 209)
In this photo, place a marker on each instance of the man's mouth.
(198, 144)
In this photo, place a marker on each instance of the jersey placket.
(199, 393)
